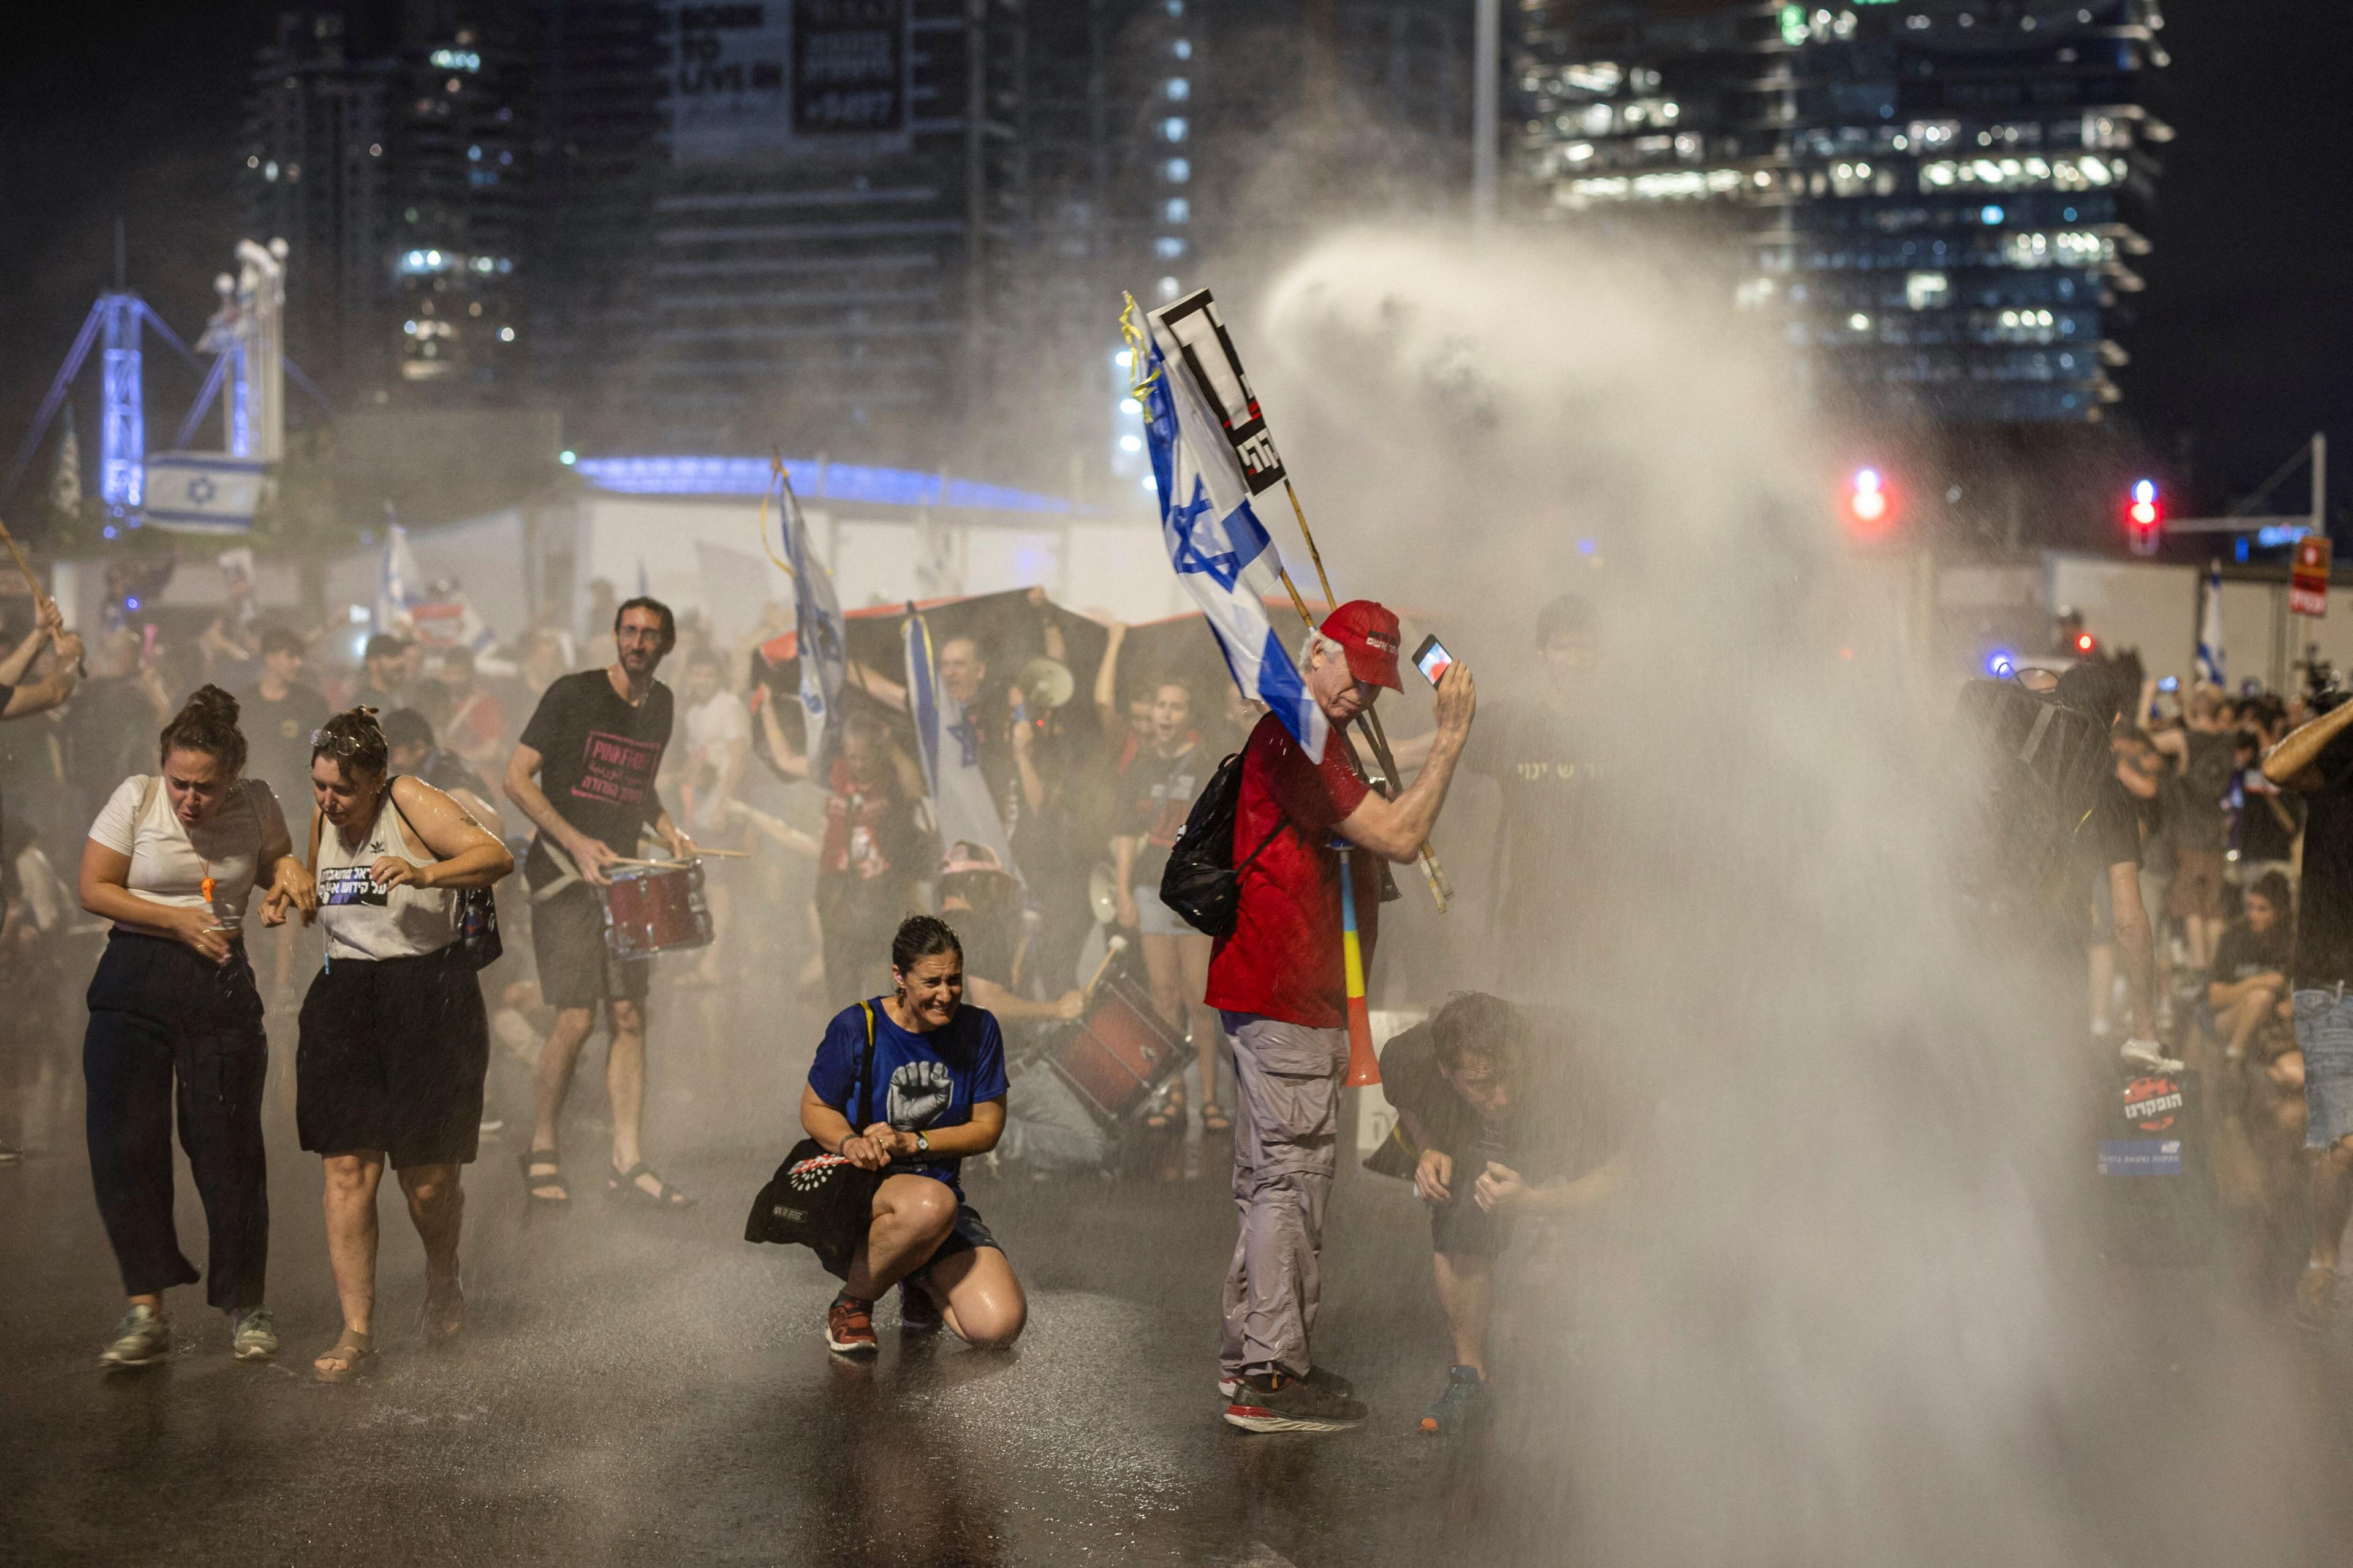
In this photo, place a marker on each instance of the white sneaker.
(2146, 1056)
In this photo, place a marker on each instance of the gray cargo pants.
(1287, 1080)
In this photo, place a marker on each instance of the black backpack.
(2032, 769)
(1201, 882)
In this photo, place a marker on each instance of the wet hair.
(355, 741)
(383, 644)
(207, 723)
(862, 721)
(2273, 886)
(1473, 1024)
(406, 727)
(920, 937)
(1570, 615)
(669, 621)
(279, 639)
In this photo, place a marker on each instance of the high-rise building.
(829, 238)
(597, 86)
(1178, 143)
(1938, 194)
(396, 162)
(314, 176)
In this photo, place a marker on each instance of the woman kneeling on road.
(394, 1041)
(942, 1065)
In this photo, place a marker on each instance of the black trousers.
(158, 1013)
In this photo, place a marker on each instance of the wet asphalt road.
(636, 1387)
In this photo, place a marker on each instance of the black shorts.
(1463, 1230)
(970, 1235)
(392, 1058)
(576, 968)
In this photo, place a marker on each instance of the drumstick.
(31, 582)
(1118, 945)
(724, 853)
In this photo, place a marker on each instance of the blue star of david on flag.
(1221, 552)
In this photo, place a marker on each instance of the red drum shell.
(1117, 1054)
(655, 909)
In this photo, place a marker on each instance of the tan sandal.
(355, 1351)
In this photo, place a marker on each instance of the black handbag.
(819, 1199)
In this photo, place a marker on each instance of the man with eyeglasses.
(584, 773)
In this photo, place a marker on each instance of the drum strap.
(571, 873)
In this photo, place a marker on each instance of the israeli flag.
(1215, 541)
(2209, 631)
(203, 492)
(400, 586)
(962, 805)
(821, 640)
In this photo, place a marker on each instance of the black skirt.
(392, 1058)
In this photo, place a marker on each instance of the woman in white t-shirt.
(174, 861)
(395, 1039)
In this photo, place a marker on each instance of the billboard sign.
(780, 78)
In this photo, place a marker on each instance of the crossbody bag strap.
(861, 1093)
(409, 828)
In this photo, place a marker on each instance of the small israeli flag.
(962, 804)
(2209, 631)
(400, 587)
(1215, 541)
(822, 640)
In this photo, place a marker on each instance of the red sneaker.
(849, 1326)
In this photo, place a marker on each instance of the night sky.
(2243, 343)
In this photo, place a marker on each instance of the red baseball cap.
(1369, 633)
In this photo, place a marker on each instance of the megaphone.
(1046, 683)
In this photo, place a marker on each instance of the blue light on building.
(712, 476)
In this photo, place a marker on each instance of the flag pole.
(1139, 341)
(1440, 888)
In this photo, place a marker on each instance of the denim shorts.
(2323, 1032)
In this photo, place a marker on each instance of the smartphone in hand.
(1431, 659)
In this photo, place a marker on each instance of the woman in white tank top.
(394, 1041)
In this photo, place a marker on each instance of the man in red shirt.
(1279, 983)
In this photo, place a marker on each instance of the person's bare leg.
(2103, 984)
(979, 1299)
(1466, 1284)
(349, 1203)
(557, 1059)
(2242, 1018)
(1161, 962)
(912, 1215)
(436, 1206)
(1208, 1032)
(2332, 1200)
(625, 1082)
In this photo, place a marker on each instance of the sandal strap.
(663, 1192)
(351, 1347)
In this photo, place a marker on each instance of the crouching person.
(1506, 1133)
(938, 1076)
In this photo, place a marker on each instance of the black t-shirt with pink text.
(598, 756)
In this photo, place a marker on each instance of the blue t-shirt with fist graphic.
(922, 1082)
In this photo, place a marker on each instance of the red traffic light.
(2144, 517)
(1870, 508)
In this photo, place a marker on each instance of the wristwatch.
(922, 1143)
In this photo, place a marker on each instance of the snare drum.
(1117, 1054)
(655, 909)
